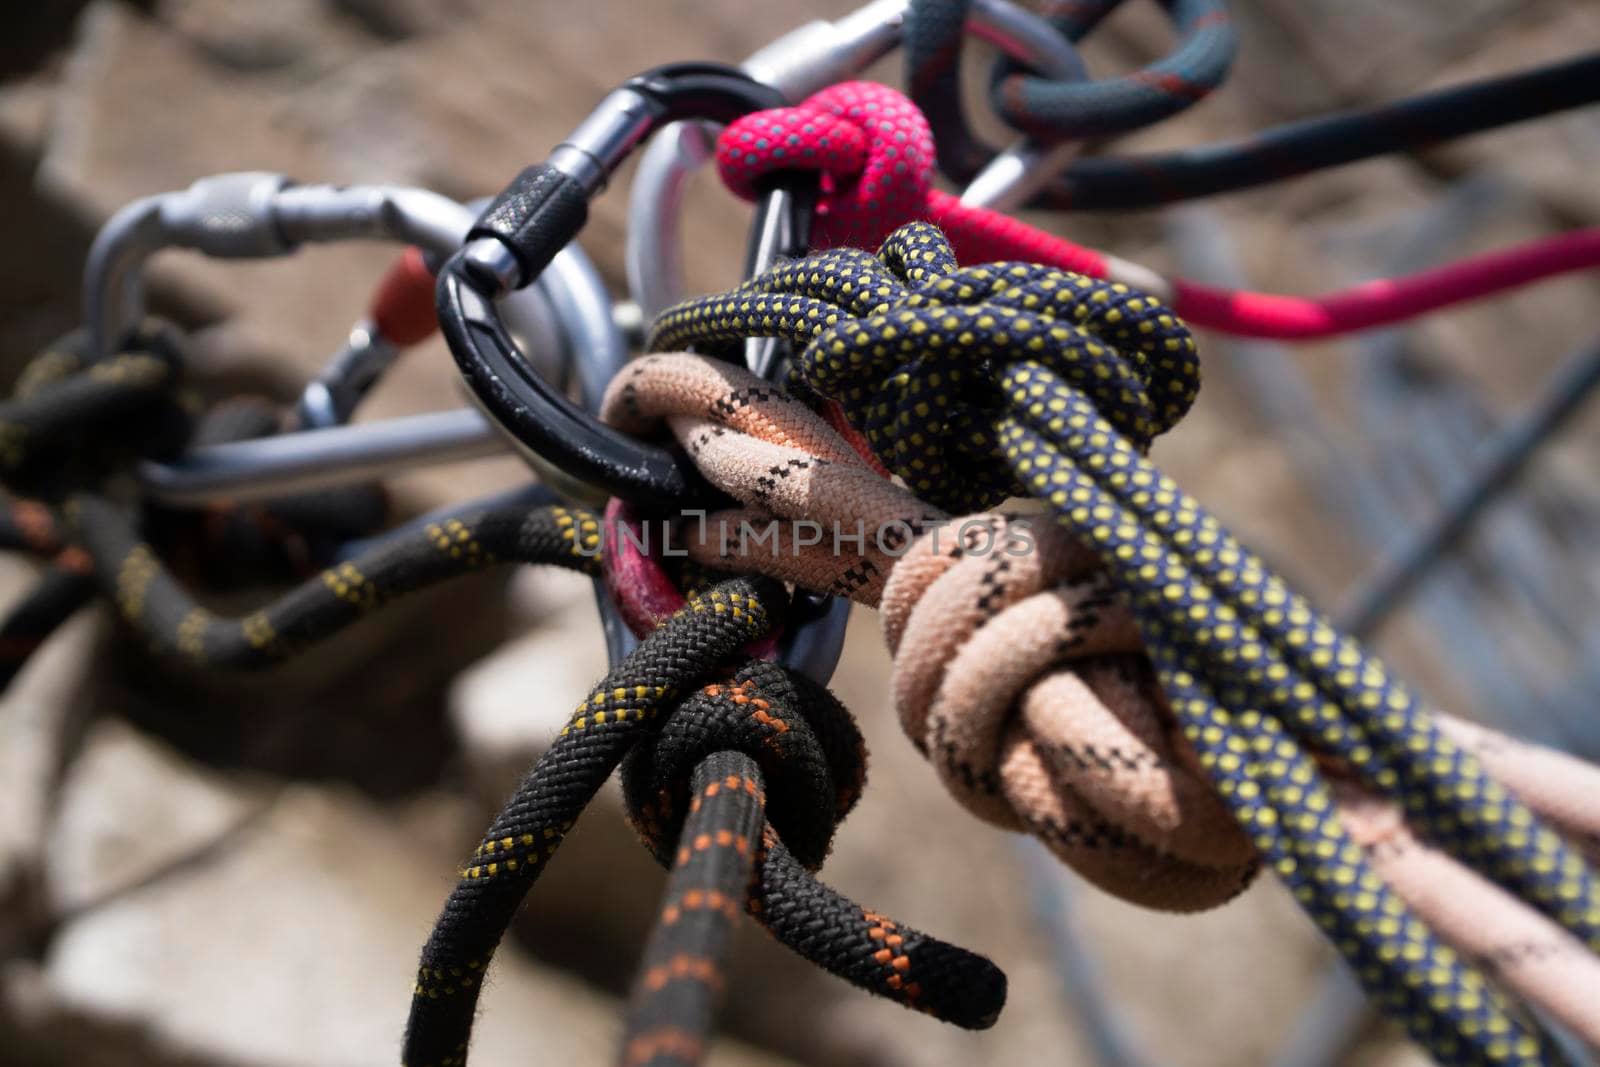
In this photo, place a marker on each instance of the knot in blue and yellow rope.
(911, 346)
(1265, 689)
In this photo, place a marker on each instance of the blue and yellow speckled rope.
(974, 383)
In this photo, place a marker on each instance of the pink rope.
(1387, 300)
(875, 151)
(645, 595)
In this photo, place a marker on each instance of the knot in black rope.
(703, 748)
(807, 748)
(912, 345)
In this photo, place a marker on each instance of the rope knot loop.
(875, 152)
(1018, 672)
(912, 346)
(807, 746)
(1020, 675)
(871, 144)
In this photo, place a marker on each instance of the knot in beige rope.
(1017, 671)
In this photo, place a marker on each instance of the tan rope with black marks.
(1021, 677)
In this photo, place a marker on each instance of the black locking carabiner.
(513, 241)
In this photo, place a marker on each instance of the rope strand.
(1079, 742)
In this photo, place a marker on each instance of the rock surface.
(275, 927)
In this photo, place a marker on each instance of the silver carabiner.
(247, 215)
(813, 637)
(250, 215)
(798, 64)
(257, 215)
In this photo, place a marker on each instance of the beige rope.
(1020, 676)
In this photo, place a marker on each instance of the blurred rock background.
(204, 871)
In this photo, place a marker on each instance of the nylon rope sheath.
(70, 428)
(874, 150)
(1208, 720)
(1062, 111)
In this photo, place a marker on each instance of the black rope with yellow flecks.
(66, 437)
(909, 363)
(156, 605)
(691, 730)
(972, 383)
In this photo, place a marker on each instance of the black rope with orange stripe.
(713, 872)
(680, 723)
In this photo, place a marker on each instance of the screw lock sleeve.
(534, 217)
(229, 216)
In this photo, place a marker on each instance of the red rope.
(875, 151)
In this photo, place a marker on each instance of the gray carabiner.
(813, 637)
(256, 215)
(249, 215)
(798, 64)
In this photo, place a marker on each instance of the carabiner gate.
(513, 241)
